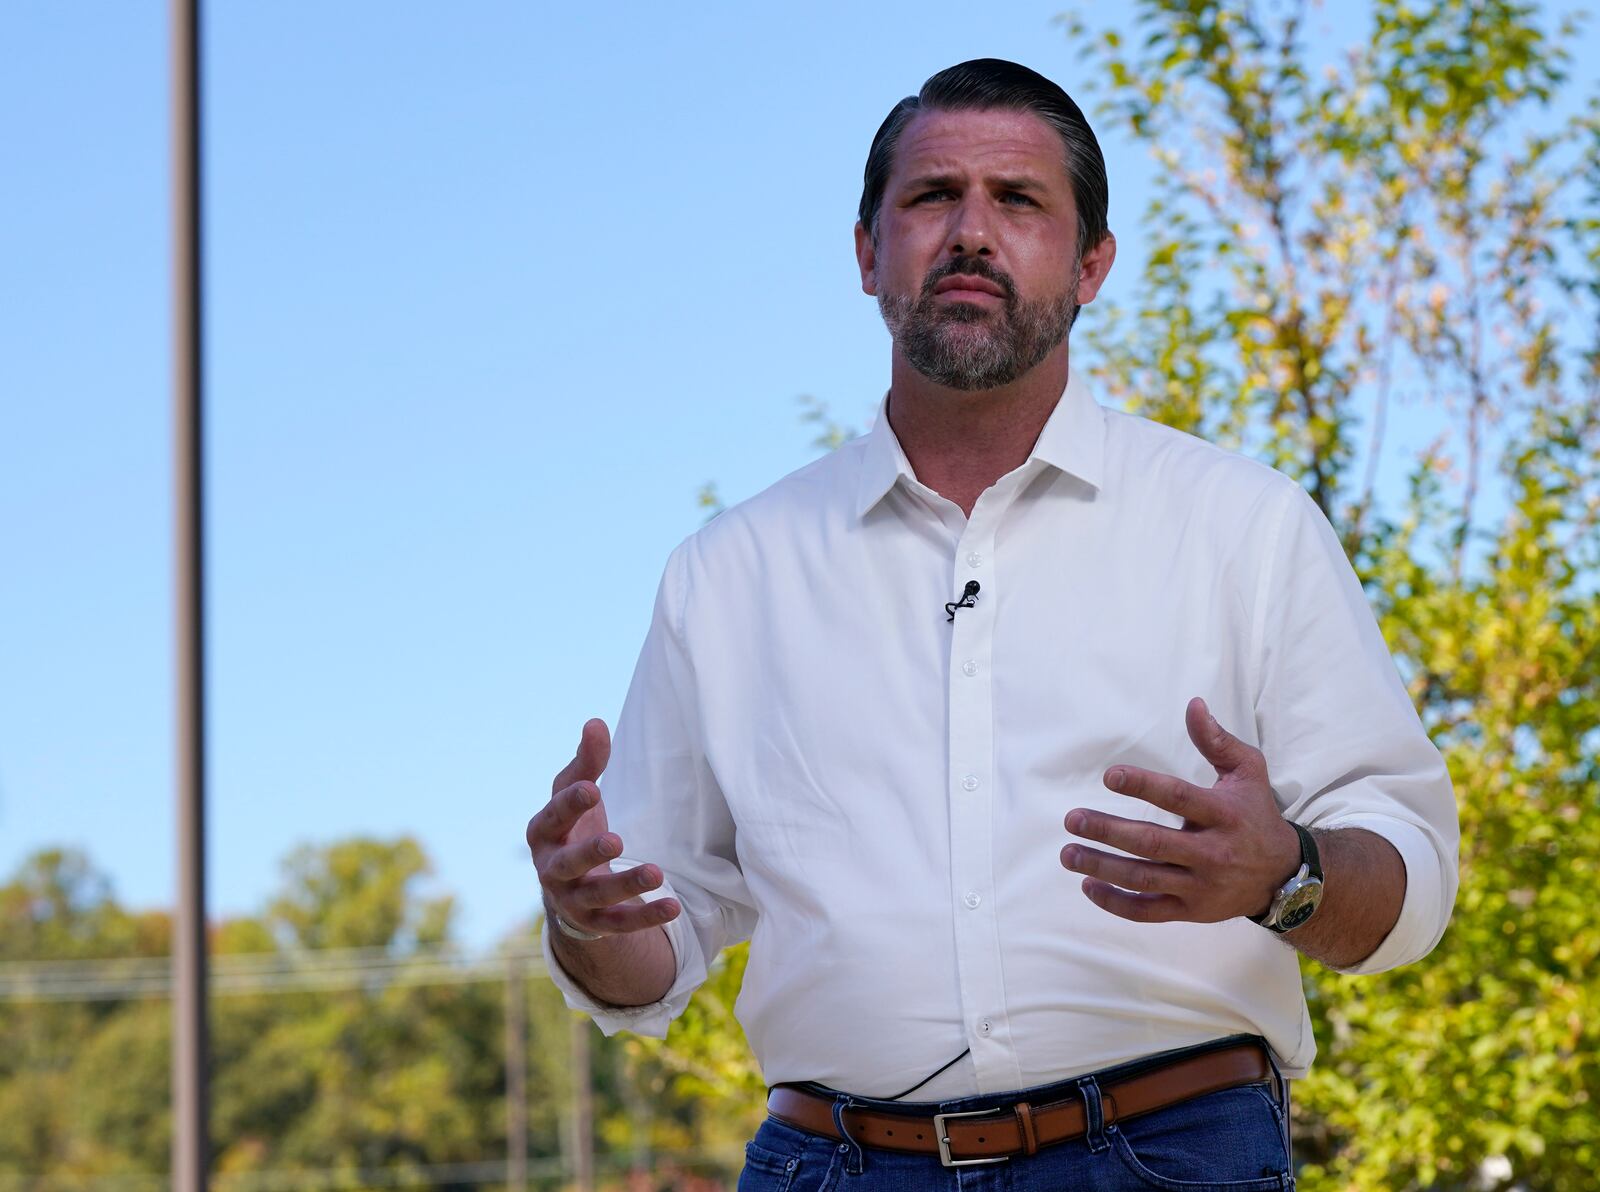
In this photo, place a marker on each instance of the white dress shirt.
(822, 763)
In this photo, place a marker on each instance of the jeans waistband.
(1042, 1093)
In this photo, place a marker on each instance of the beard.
(964, 346)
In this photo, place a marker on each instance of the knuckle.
(1155, 843)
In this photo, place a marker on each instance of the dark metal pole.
(582, 1104)
(516, 1076)
(190, 1144)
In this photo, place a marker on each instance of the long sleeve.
(663, 800)
(1343, 743)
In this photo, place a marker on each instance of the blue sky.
(493, 289)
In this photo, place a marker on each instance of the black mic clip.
(969, 599)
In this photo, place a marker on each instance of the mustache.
(970, 267)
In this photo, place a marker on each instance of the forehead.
(984, 141)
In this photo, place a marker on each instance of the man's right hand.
(572, 851)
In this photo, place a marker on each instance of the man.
(999, 732)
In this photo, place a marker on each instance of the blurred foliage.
(1333, 229)
(377, 1075)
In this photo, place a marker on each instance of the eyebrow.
(940, 181)
(932, 182)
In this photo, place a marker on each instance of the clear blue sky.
(492, 290)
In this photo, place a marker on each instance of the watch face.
(1299, 906)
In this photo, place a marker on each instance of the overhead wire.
(124, 978)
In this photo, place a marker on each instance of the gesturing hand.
(1234, 850)
(572, 849)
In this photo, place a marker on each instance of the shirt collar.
(1073, 441)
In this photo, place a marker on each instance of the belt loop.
(1094, 1125)
(1282, 1108)
(856, 1156)
(1281, 1091)
(1030, 1140)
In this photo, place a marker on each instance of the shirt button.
(972, 900)
(969, 668)
(970, 782)
(984, 1028)
(974, 560)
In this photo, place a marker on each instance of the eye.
(1017, 194)
(933, 194)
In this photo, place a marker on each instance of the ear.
(1096, 264)
(867, 259)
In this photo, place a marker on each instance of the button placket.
(971, 766)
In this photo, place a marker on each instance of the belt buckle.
(944, 1139)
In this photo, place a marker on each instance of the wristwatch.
(1298, 898)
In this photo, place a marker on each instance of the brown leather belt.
(993, 1135)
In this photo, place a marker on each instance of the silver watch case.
(1295, 902)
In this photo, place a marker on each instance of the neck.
(959, 442)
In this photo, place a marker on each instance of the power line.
(132, 977)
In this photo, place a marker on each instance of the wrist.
(1286, 851)
(571, 932)
(1297, 899)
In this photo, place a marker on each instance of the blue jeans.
(1236, 1140)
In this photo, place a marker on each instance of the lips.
(968, 281)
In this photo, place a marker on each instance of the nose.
(969, 230)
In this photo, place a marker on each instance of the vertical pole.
(190, 1144)
(582, 1105)
(639, 1115)
(516, 1076)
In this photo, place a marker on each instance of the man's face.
(975, 265)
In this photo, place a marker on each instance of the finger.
(597, 891)
(589, 762)
(1140, 837)
(1217, 745)
(1193, 803)
(616, 920)
(1140, 908)
(572, 861)
(1143, 876)
(557, 817)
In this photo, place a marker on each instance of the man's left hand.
(1233, 852)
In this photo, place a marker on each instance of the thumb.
(594, 750)
(1219, 747)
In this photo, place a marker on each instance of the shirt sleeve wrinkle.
(1343, 743)
(663, 800)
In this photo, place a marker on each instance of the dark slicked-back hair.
(988, 83)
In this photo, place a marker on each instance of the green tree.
(357, 893)
(390, 1074)
(1410, 216)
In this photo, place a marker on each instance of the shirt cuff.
(652, 1019)
(1423, 915)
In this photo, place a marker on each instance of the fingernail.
(1114, 779)
(1075, 822)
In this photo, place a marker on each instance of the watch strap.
(1310, 859)
(1308, 851)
